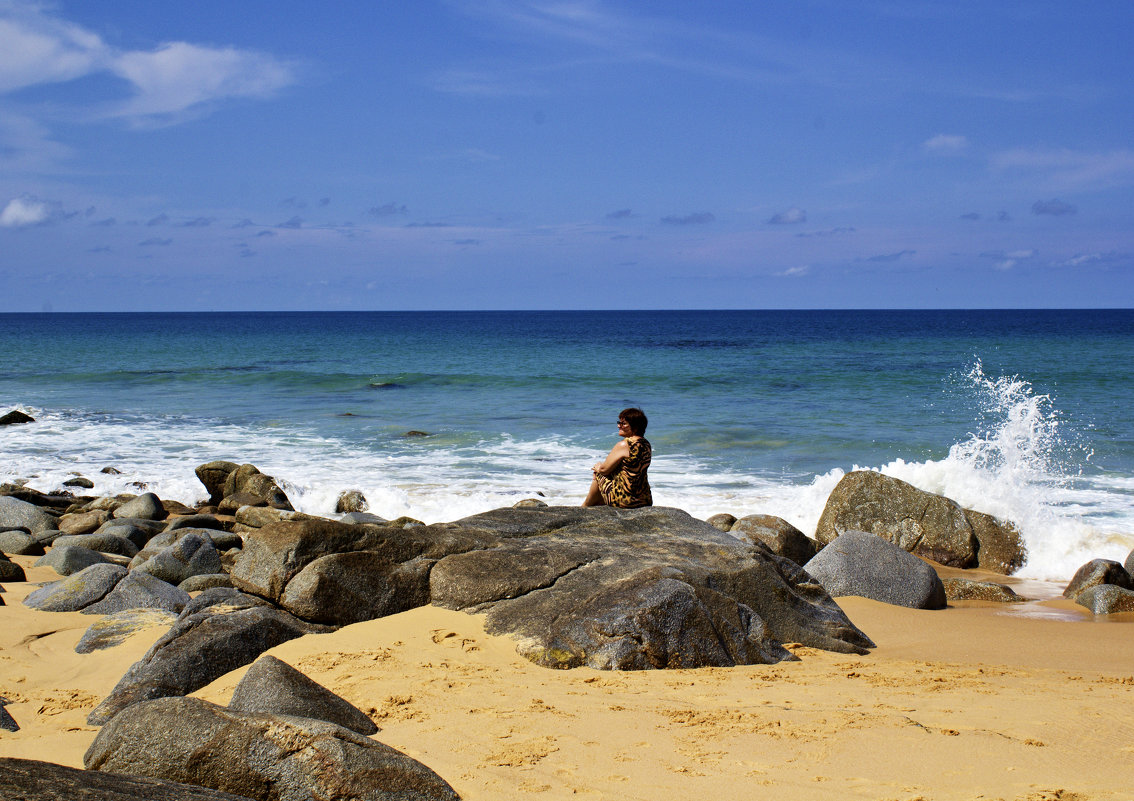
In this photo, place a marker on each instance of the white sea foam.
(1017, 465)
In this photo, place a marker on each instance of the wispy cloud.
(697, 218)
(1070, 170)
(882, 258)
(1090, 259)
(795, 272)
(944, 144)
(1008, 260)
(792, 216)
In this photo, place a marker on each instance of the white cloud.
(37, 48)
(945, 143)
(179, 76)
(795, 272)
(24, 211)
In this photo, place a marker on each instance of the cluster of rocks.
(601, 587)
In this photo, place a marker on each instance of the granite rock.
(867, 565)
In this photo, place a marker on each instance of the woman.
(621, 480)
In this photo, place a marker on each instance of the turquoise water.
(1024, 414)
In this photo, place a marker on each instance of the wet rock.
(16, 417)
(200, 648)
(778, 534)
(722, 522)
(139, 590)
(213, 475)
(1000, 546)
(16, 513)
(115, 629)
(80, 482)
(274, 687)
(146, 506)
(20, 543)
(30, 780)
(1106, 599)
(77, 591)
(351, 501)
(1095, 572)
(248, 479)
(260, 756)
(529, 503)
(858, 563)
(963, 589)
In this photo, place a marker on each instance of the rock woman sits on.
(620, 480)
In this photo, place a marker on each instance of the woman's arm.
(613, 460)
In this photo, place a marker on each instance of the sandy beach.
(978, 701)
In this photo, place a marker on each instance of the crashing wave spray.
(1021, 465)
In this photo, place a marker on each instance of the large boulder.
(920, 522)
(31, 780)
(274, 687)
(83, 522)
(1096, 572)
(778, 534)
(15, 513)
(16, 541)
(140, 591)
(77, 591)
(108, 541)
(259, 756)
(1106, 599)
(192, 554)
(204, 644)
(858, 563)
(70, 559)
(146, 506)
(213, 475)
(636, 588)
(248, 479)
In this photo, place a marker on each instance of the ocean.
(1025, 415)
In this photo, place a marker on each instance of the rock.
(192, 554)
(117, 628)
(146, 506)
(248, 479)
(30, 780)
(1106, 599)
(363, 517)
(194, 521)
(1000, 547)
(54, 501)
(344, 588)
(83, 522)
(15, 417)
(79, 481)
(778, 534)
(529, 503)
(140, 591)
(916, 521)
(723, 521)
(20, 543)
(351, 501)
(274, 687)
(135, 529)
(9, 570)
(238, 499)
(111, 471)
(104, 542)
(176, 508)
(77, 591)
(1129, 563)
(259, 756)
(631, 588)
(15, 513)
(963, 589)
(8, 723)
(200, 648)
(858, 563)
(213, 475)
(1095, 572)
(70, 559)
(205, 581)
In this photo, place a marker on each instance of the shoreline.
(945, 708)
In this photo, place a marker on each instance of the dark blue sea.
(1022, 414)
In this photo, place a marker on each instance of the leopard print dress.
(629, 488)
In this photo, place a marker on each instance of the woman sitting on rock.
(621, 480)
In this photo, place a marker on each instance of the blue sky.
(476, 154)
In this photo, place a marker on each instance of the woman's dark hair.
(636, 419)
